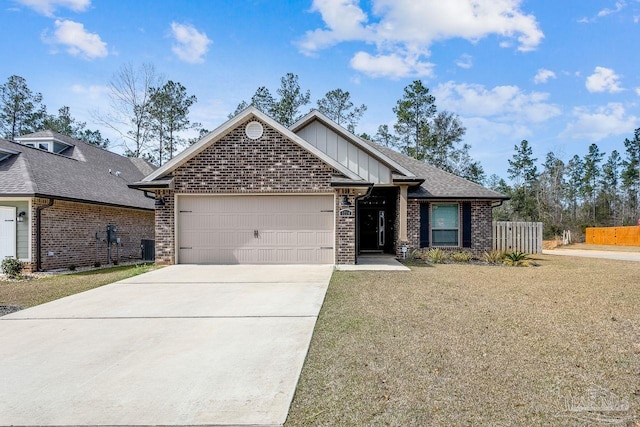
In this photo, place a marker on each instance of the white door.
(255, 229)
(7, 232)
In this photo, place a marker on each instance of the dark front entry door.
(372, 230)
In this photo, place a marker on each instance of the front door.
(373, 233)
(7, 232)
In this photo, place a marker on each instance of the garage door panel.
(221, 229)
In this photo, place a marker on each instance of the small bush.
(462, 256)
(436, 256)
(516, 259)
(72, 267)
(12, 267)
(493, 257)
(97, 264)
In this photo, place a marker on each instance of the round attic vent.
(254, 130)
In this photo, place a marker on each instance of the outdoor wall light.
(159, 202)
(21, 216)
(345, 201)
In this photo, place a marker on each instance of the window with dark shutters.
(466, 224)
(424, 225)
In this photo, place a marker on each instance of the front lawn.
(38, 291)
(474, 345)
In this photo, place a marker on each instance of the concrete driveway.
(583, 253)
(183, 345)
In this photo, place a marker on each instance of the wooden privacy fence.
(619, 236)
(517, 236)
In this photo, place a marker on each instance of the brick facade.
(236, 164)
(69, 230)
(481, 226)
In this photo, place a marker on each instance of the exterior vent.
(254, 130)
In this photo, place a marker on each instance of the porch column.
(402, 215)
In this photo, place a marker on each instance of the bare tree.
(129, 114)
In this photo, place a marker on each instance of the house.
(57, 197)
(254, 191)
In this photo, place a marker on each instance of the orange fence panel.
(614, 236)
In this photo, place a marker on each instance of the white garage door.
(255, 229)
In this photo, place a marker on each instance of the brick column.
(165, 229)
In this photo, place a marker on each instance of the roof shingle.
(83, 173)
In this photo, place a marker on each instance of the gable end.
(237, 164)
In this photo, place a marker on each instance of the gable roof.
(435, 182)
(439, 184)
(84, 173)
(224, 129)
(354, 139)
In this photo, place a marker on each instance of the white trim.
(459, 245)
(231, 124)
(43, 138)
(13, 211)
(361, 143)
(29, 201)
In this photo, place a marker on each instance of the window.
(43, 146)
(445, 224)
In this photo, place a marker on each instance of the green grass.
(32, 292)
(475, 345)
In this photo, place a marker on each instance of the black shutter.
(466, 224)
(424, 225)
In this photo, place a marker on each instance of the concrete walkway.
(623, 256)
(374, 263)
(183, 345)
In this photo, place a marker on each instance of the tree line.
(150, 114)
(420, 131)
(22, 112)
(588, 191)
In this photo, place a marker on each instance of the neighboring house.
(253, 191)
(57, 196)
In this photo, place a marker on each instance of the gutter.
(39, 210)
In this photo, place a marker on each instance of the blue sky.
(562, 74)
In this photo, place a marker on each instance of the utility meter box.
(111, 234)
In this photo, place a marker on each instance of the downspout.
(364, 196)
(39, 210)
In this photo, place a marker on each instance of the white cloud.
(403, 31)
(91, 91)
(78, 41)
(543, 75)
(393, 66)
(465, 61)
(603, 80)
(191, 44)
(638, 91)
(345, 21)
(503, 103)
(48, 7)
(606, 11)
(619, 5)
(599, 123)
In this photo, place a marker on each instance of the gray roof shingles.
(438, 183)
(80, 173)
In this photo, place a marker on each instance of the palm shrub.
(462, 256)
(436, 256)
(493, 257)
(516, 259)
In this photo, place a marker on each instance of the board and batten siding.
(22, 228)
(348, 154)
